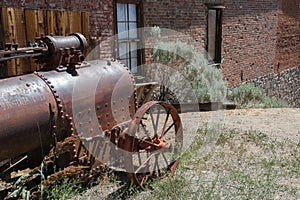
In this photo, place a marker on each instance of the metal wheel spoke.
(143, 126)
(157, 165)
(164, 157)
(145, 132)
(157, 119)
(169, 128)
(140, 160)
(165, 124)
(148, 142)
(152, 120)
(143, 164)
(169, 148)
(159, 136)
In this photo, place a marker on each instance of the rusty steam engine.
(75, 114)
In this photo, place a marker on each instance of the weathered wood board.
(21, 25)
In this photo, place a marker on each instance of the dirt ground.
(278, 123)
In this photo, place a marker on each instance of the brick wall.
(288, 35)
(185, 16)
(181, 20)
(259, 36)
(249, 39)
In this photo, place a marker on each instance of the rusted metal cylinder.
(57, 43)
(25, 115)
(37, 108)
(75, 40)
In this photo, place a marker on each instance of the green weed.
(248, 95)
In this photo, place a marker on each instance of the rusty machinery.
(37, 115)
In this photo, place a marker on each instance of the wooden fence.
(21, 25)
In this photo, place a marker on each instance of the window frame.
(218, 33)
(137, 40)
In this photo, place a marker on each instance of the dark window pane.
(211, 34)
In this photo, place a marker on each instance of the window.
(214, 33)
(128, 38)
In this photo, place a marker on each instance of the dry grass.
(242, 165)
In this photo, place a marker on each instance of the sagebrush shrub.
(206, 81)
(248, 95)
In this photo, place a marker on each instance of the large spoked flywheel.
(157, 138)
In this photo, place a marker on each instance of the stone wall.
(283, 85)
